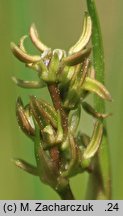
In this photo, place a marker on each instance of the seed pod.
(39, 113)
(25, 166)
(35, 39)
(85, 36)
(22, 56)
(28, 84)
(93, 85)
(95, 141)
(23, 119)
(21, 43)
(90, 110)
(77, 58)
(50, 111)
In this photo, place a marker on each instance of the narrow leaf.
(99, 105)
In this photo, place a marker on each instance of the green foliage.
(59, 153)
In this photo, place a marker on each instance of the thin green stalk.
(102, 164)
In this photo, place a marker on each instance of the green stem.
(102, 164)
(95, 183)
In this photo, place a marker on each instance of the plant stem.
(66, 194)
(102, 164)
(95, 184)
(55, 95)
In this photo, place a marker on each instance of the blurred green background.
(59, 24)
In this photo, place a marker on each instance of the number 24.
(112, 207)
